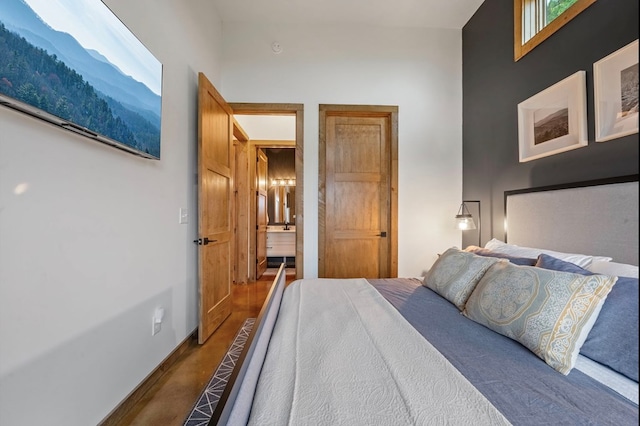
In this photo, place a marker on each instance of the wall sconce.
(283, 182)
(464, 219)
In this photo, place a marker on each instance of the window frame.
(520, 6)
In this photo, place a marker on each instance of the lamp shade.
(464, 219)
(464, 222)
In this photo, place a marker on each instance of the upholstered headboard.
(595, 217)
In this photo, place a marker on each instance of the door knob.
(204, 241)
(382, 234)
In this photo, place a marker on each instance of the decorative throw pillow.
(549, 262)
(549, 312)
(582, 260)
(613, 341)
(455, 274)
(526, 261)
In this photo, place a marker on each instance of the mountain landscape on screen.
(50, 70)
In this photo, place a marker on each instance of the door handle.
(382, 234)
(204, 241)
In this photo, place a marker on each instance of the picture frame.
(554, 120)
(615, 86)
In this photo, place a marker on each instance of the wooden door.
(215, 207)
(262, 164)
(357, 195)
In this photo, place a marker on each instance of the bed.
(525, 331)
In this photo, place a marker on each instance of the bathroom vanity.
(281, 243)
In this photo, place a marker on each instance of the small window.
(536, 20)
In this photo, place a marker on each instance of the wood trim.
(241, 200)
(322, 188)
(390, 111)
(241, 265)
(114, 418)
(300, 194)
(242, 203)
(521, 49)
(274, 144)
(282, 109)
(393, 267)
(265, 108)
(239, 133)
(359, 110)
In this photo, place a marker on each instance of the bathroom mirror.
(281, 204)
(281, 195)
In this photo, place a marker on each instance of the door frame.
(391, 112)
(241, 203)
(279, 109)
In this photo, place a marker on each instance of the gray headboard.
(595, 217)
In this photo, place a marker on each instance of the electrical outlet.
(156, 327)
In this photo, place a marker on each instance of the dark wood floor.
(169, 401)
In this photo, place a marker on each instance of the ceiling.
(387, 13)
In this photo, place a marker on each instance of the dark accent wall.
(493, 86)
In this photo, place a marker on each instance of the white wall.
(419, 70)
(93, 245)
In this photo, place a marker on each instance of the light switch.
(184, 216)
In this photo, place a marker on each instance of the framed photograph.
(615, 86)
(554, 120)
(74, 64)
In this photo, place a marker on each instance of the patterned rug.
(206, 403)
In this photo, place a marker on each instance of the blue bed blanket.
(518, 383)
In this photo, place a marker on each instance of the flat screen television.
(75, 64)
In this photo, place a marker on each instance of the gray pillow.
(613, 340)
(455, 274)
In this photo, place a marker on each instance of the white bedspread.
(342, 355)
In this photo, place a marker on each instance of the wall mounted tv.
(75, 64)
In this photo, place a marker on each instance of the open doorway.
(281, 207)
(283, 188)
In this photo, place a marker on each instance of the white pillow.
(581, 260)
(613, 269)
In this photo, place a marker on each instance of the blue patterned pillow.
(613, 340)
(549, 312)
(455, 274)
